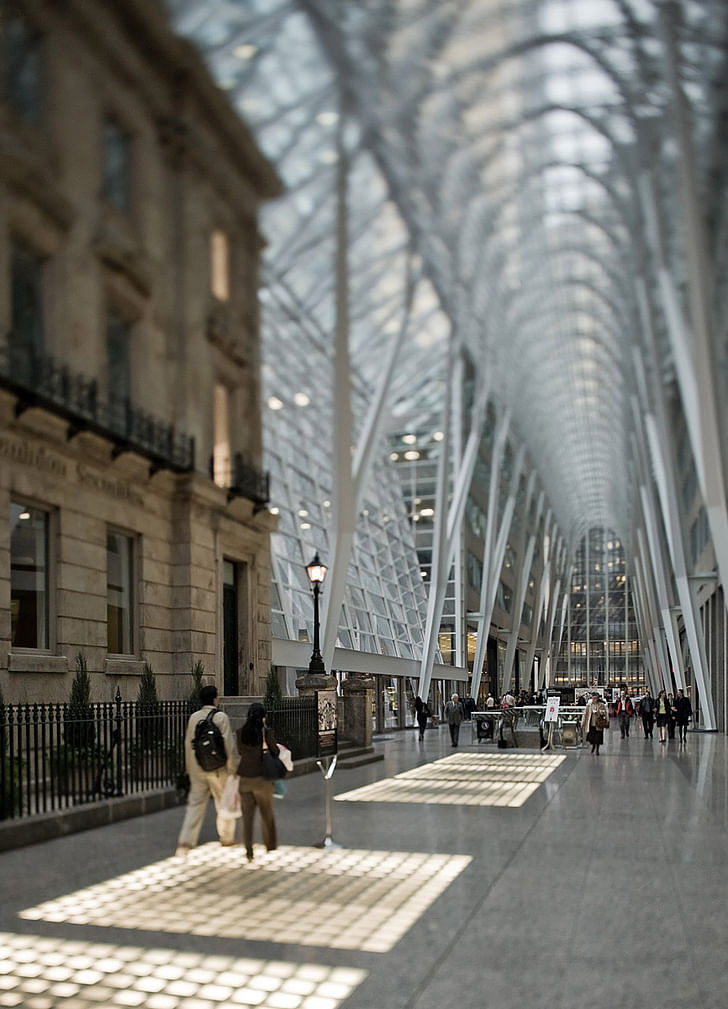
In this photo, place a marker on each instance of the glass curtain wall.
(601, 645)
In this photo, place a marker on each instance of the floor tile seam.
(481, 899)
(188, 942)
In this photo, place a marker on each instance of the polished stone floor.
(472, 877)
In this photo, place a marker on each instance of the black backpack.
(208, 744)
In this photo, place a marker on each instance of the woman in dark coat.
(595, 717)
(684, 712)
(252, 736)
(662, 711)
(422, 713)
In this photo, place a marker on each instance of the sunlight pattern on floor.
(469, 779)
(45, 973)
(342, 899)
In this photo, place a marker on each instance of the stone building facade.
(133, 519)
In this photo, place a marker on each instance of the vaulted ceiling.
(519, 169)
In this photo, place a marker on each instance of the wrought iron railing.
(38, 380)
(55, 756)
(242, 479)
(294, 721)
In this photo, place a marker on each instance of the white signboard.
(552, 709)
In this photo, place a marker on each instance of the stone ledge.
(45, 826)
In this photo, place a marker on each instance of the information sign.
(552, 709)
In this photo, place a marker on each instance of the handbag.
(273, 767)
(602, 720)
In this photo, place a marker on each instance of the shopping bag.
(284, 755)
(230, 802)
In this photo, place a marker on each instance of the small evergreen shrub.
(149, 721)
(198, 673)
(273, 692)
(79, 731)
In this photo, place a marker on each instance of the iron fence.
(55, 756)
(294, 721)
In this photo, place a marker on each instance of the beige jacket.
(589, 711)
(231, 751)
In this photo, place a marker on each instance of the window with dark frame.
(119, 593)
(116, 165)
(118, 369)
(29, 592)
(26, 309)
(22, 76)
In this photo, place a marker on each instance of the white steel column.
(494, 545)
(517, 613)
(343, 512)
(447, 521)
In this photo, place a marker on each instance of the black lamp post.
(316, 573)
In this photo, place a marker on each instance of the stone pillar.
(358, 694)
(310, 683)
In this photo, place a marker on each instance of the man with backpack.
(210, 757)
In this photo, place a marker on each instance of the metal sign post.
(551, 716)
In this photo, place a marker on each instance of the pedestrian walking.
(647, 713)
(594, 721)
(256, 792)
(662, 712)
(624, 710)
(684, 712)
(453, 716)
(672, 719)
(206, 784)
(422, 713)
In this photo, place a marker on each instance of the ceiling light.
(24, 515)
(274, 510)
(427, 512)
(409, 439)
(438, 436)
(274, 403)
(245, 52)
(412, 454)
(301, 399)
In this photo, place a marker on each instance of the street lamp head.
(316, 571)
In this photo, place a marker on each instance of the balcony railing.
(241, 479)
(38, 380)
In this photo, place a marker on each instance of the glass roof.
(509, 161)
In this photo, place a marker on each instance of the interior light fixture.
(327, 118)
(427, 512)
(438, 436)
(245, 52)
(412, 454)
(305, 525)
(275, 510)
(394, 456)
(24, 515)
(302, 512)
(301, 399)
(274, 403)
(409, 439)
